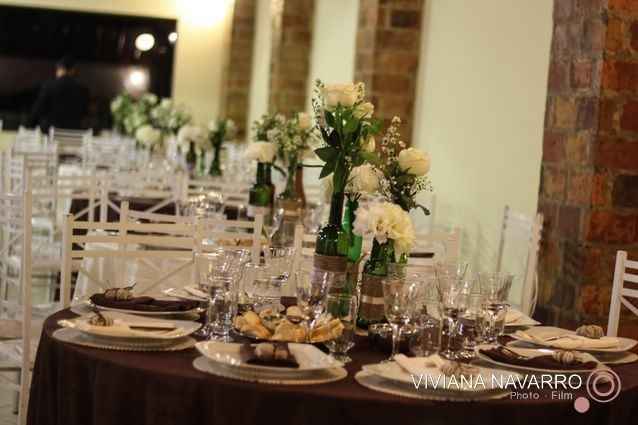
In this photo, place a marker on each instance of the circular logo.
(603, 386)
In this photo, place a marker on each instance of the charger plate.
(73, 336)
(310, 378)
(377, 383)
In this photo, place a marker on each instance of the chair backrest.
(105, 153)
(304, 244)
(520, 237)
(169, 193)
(69, 140)
(444, 244)
(620, 293)
(234, 193)
(15, 221)
(231, 233)
(166, 243)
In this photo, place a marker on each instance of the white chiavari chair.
(105, 153)
(18, 346)
(625, 286)
(444, 244)
(167, 190)
(170, 245)
(69, 141)
(518, 254)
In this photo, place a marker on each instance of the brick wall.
(589, 179)
(290, 54)
(387, 57)
(237, 95)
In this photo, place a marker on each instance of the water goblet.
(344, 308)
(312, 290)
(495, 289)
(453, 296)
(399, 299)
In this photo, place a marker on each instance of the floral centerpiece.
(148, 136)
(293, 138)
(403, 174)
(139, 113)
(346, 124)
(261, 196)
(192, 139)
(219, 131)
(393, 232)
(404, 170)
(169, 117)
(121, 107)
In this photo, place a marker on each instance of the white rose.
(369, 144)
(150, 98)
(213, 126)
(148, 135)
(414, 161)
(363, 110)
(304, 120)
(261, 152)
(166, 103)
(327, 188)
(363, 179)
(343, 94)
(192, 134)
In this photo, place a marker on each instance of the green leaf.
(334, 140)
(351, 125)
(327, 153)
(327, 169)
(330, 119)
(370, 157)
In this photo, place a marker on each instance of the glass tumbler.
(344, 308)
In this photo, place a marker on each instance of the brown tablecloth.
(75, 385)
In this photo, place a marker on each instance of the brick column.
(237, 95)
(387, 58)
(290, 54)
(589, 180)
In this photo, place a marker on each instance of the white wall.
(260, 79)
(480, 110)
(334, 37)
(199, 59)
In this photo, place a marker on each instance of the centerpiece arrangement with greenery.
(345, 121)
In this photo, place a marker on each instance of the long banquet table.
(74, 385)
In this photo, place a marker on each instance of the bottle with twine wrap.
(379, 266)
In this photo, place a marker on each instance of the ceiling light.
(145, 42)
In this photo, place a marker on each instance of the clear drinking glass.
(426, 320)
(399, 299)
(344, 308)
(222, 309)
(457, 270)
(209, 269)
(254, 282)
(470, 324)
(453, 300)
(312, 290)
(495, 289)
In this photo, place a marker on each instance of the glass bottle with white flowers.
(191, 139)
(219, 131)
(394, 236)
(403, 175)
(345, 121)
(169, 117)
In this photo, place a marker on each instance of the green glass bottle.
(355, 243)
(374, 271)
(191, 158)
(332, 240)
(262, 194)
(215, 169)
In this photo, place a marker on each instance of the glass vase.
(375, 270)
(215, 169)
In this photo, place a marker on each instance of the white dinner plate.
(434, 381)
(308, 356)
(533, 352)
(122, 332)
(536, 337)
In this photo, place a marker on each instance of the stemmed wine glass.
(399, 301)
(453, 293)
(494, 288)
(271, 226)
(312, 289)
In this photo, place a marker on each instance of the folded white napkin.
(513, 315)
(567, 340)
(420, 365)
